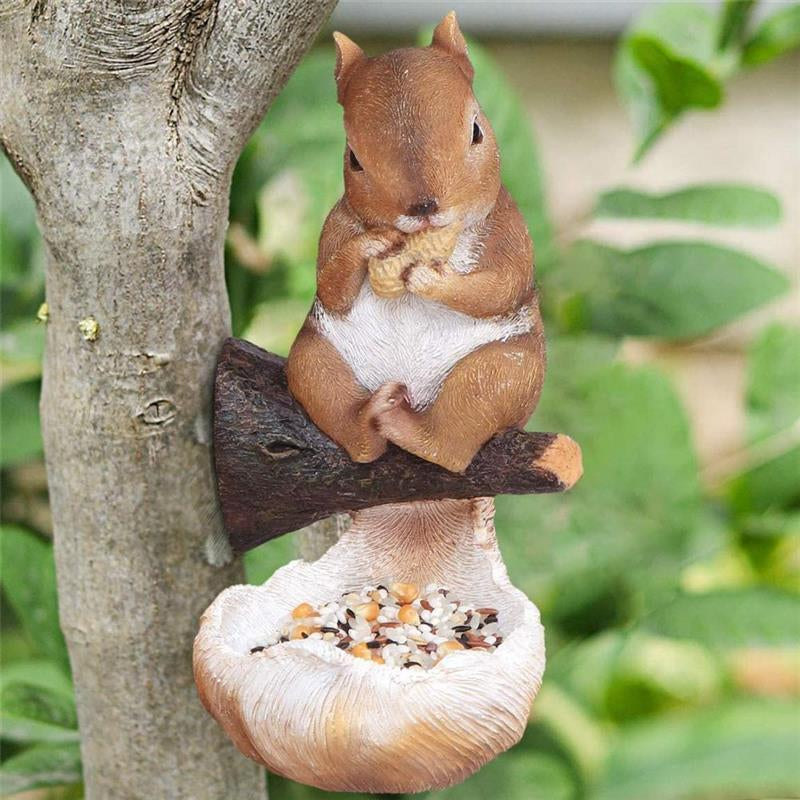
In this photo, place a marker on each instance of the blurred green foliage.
(657, 592)
(720, 204)
(677, 57)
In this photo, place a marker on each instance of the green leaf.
(714, 204)
(689, 30)
(735, 16)
(261, 562)
(20, 435)
(21, 348)
(14, 645)
(29, 586)
(31, 713)
(771, 524)
(17, 224)
(638, 93)
(625, 524)
(41, 766)
(16, 203)
(21, 252)
(773, 411)
(247, 290)
(669, 289)
(743, 749)
(776, 35)
(302, 133)
(640, 470)
(576, 731)
(680, 84)
(666, 64)
(768, 486)
(284, 789)
(773, 385)
(275, 324)
(575, 365)
(515, 775)
(630, 675)
(22, 341)
(36, 672)
(751, 617)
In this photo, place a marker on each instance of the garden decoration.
(403, 659)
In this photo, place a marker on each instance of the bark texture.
(316, 539)
(265, 445)
(125, 119)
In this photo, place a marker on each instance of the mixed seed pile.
(400, 625)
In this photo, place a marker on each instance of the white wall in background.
(521, 17)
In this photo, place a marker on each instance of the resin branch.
(277, 471)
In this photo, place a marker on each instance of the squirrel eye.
(477, 133)
(354, 165)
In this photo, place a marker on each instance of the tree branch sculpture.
(125, 121)
(266, 446)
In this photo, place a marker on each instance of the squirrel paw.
(383, 244)
(421, 279)
(387, 398)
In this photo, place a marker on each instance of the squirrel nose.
(424, 208)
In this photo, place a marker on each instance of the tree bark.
(316, 539)
(125, 119)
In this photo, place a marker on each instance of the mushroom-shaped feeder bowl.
(314, 713)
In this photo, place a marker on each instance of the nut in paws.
(385, 276)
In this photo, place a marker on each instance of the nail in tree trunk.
(124, 120)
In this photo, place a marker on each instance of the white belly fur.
(410, 340)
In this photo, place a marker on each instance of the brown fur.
(408, 116)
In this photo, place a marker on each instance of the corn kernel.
(408, 615)
(302, 611)
(449, 647)
(369, 611)
(405, 592)
(361, 651)
(301, 631)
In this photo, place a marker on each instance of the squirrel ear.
(348, 56)
(448, 37)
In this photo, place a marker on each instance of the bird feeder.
(310, 710)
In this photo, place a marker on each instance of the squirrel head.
(420, 152)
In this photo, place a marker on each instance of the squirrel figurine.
(425, 330)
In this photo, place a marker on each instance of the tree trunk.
(316, 539)
(125, 120)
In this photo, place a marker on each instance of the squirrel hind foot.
(388, 397)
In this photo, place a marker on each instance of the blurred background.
(654, 149)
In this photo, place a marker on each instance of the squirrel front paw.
(422, 279)
(383, 243)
